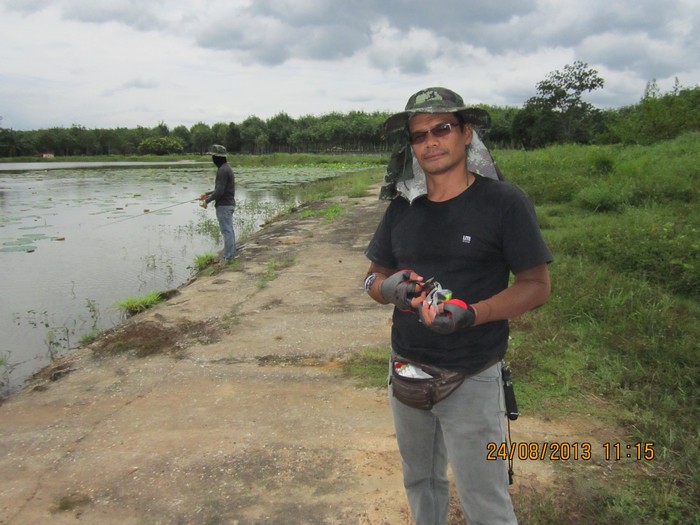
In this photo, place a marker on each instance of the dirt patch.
(142, 338)
(223, 405)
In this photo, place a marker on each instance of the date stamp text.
(570, 451)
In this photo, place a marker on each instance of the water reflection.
(72, 243)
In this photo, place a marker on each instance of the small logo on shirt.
(466, 239)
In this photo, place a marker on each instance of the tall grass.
(352, 185)
(621, 327)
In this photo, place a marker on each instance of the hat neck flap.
(406, 178)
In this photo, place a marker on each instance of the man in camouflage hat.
(468, 232)
(224, 197)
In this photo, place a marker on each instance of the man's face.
(443, 148)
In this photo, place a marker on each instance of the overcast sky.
(125, 63)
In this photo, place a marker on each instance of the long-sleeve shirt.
(224, 193)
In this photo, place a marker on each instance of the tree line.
(556, 114)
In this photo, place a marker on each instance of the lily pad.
(38, 227)
(17, 242)
(31, 237)
(18, 248)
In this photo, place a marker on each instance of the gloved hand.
(202, 196)
(456, 314)
(399, 289)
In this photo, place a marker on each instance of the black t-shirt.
(470, 244)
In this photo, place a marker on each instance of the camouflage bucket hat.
(217, 150)
(437, 100)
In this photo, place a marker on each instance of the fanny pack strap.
(431, 369)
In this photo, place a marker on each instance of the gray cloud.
(136, 83)
(318, 55)
(455, 19)
(274, 32)
(639, 35)
(633, 35)
(26, 6)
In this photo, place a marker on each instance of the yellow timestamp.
(642, 451)
(569, 451)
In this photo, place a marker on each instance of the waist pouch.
(423, 393)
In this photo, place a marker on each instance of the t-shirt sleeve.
(379, 249)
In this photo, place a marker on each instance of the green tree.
(84, 141)
(307, 135)
(334, 131)
(108, 141)
(55, 140)
(202, 137)
(279, 130)
(136, 137)
(500, 134)
(184, 136)
(128, 140)
(562, 90)
(17, 143)
(219, 130)
(657, 116)
(364, 131)
(160, 146)
(254, 135)
(558, 112)
(161, 130)
(233, 138)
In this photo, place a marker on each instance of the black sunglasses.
(441, 130)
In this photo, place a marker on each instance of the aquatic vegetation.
(134, 305)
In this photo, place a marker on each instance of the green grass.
(351, 185)
(329, 213)
(271, 269)
(89, 337)
(369, 367)
(207, 264)
(621, 326)
(134, 305)
(204, 261)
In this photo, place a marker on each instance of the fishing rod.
(150, 211)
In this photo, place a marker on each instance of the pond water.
(77, 239)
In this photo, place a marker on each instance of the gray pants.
(457, 429)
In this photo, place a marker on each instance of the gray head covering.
(404, 176)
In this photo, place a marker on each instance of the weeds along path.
(222, 405)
